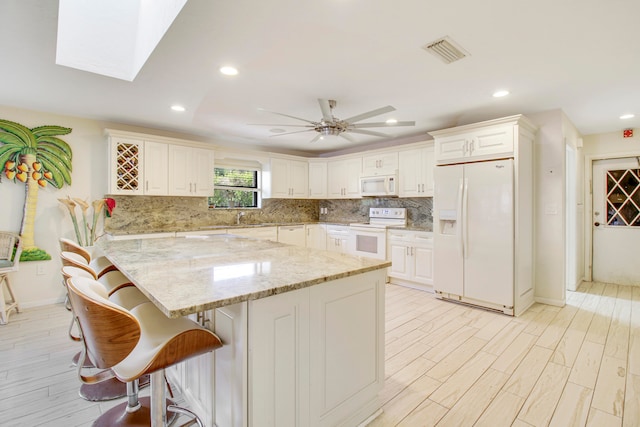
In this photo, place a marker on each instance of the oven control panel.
(390, 213)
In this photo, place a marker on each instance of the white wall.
(554, 132)
(52, 220)
(89, 181)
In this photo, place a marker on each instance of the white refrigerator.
(474, 233)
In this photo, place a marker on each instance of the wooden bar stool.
(10, 250)
(125, 294)
(131, 343)
(99, 264)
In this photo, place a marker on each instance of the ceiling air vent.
(446, 49)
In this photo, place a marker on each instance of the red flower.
(111, 205)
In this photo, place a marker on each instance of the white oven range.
(369, 239)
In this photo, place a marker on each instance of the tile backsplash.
(152, 214)
(357, 210)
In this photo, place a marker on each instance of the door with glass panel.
(616, 220)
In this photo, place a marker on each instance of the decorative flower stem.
(70, 204)
(84, 206)
(97, 209)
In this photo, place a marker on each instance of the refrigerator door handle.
(459, 218)
(465, 228)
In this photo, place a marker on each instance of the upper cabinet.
(289, 178)
(156, 162)
(126, 167)
(472, 143)
(383, 163)
(317, 179)
(155, 166)
(416, 171)
(190, 171)
(492, 139)
(343, 178)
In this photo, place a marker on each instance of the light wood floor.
(446, 364)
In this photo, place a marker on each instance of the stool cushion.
(163, 342)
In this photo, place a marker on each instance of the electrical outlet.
(40, 270)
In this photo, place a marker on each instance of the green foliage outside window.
(235, 188)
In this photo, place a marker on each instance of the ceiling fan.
(330, 125)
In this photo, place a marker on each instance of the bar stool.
(131, 343)
(126, 295)
(99, 264)
(9, 242)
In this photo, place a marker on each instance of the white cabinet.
(137, 167)
(411, 255)
(383, 163)
(317, 179)
(343, 178)
(292, 235)
(156, 162)
(416, 171)
(317, 354)
(279, 360)
(146, 165)
(316, 236)
(265, 233)
(472, 143)
(338, 238)
(190, 171)
(289, 178)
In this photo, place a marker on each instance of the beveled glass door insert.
(623, 197)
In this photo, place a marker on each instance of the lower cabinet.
(316, 236)
(338, 238)
(411, 255)
(309, 357)
(292, 235)
(317, 354)
(266, 233)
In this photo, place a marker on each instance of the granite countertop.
(185, 275)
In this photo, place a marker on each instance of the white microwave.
(380, 185)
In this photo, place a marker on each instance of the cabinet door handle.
(190, 187)
(147, 186)
(423, 188)
(195, 187)
(471, 147)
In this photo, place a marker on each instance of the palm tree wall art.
(35, 157)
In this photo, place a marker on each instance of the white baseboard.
(549, 301)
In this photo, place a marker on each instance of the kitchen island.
(303, 329)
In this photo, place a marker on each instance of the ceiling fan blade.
(347, 137)
(289, 133)
(368, 132)
(381, 125)
(317, 137)
(371, 113)
(326, 110)
(291, 117)
(279, 125)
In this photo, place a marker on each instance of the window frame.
(257, 190)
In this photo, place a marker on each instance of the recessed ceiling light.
(229, 71)
(627, 116)
(391, 122)
(500, 93)
(178, 108)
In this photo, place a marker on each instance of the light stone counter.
(185, 275)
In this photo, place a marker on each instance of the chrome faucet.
(238, 216)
